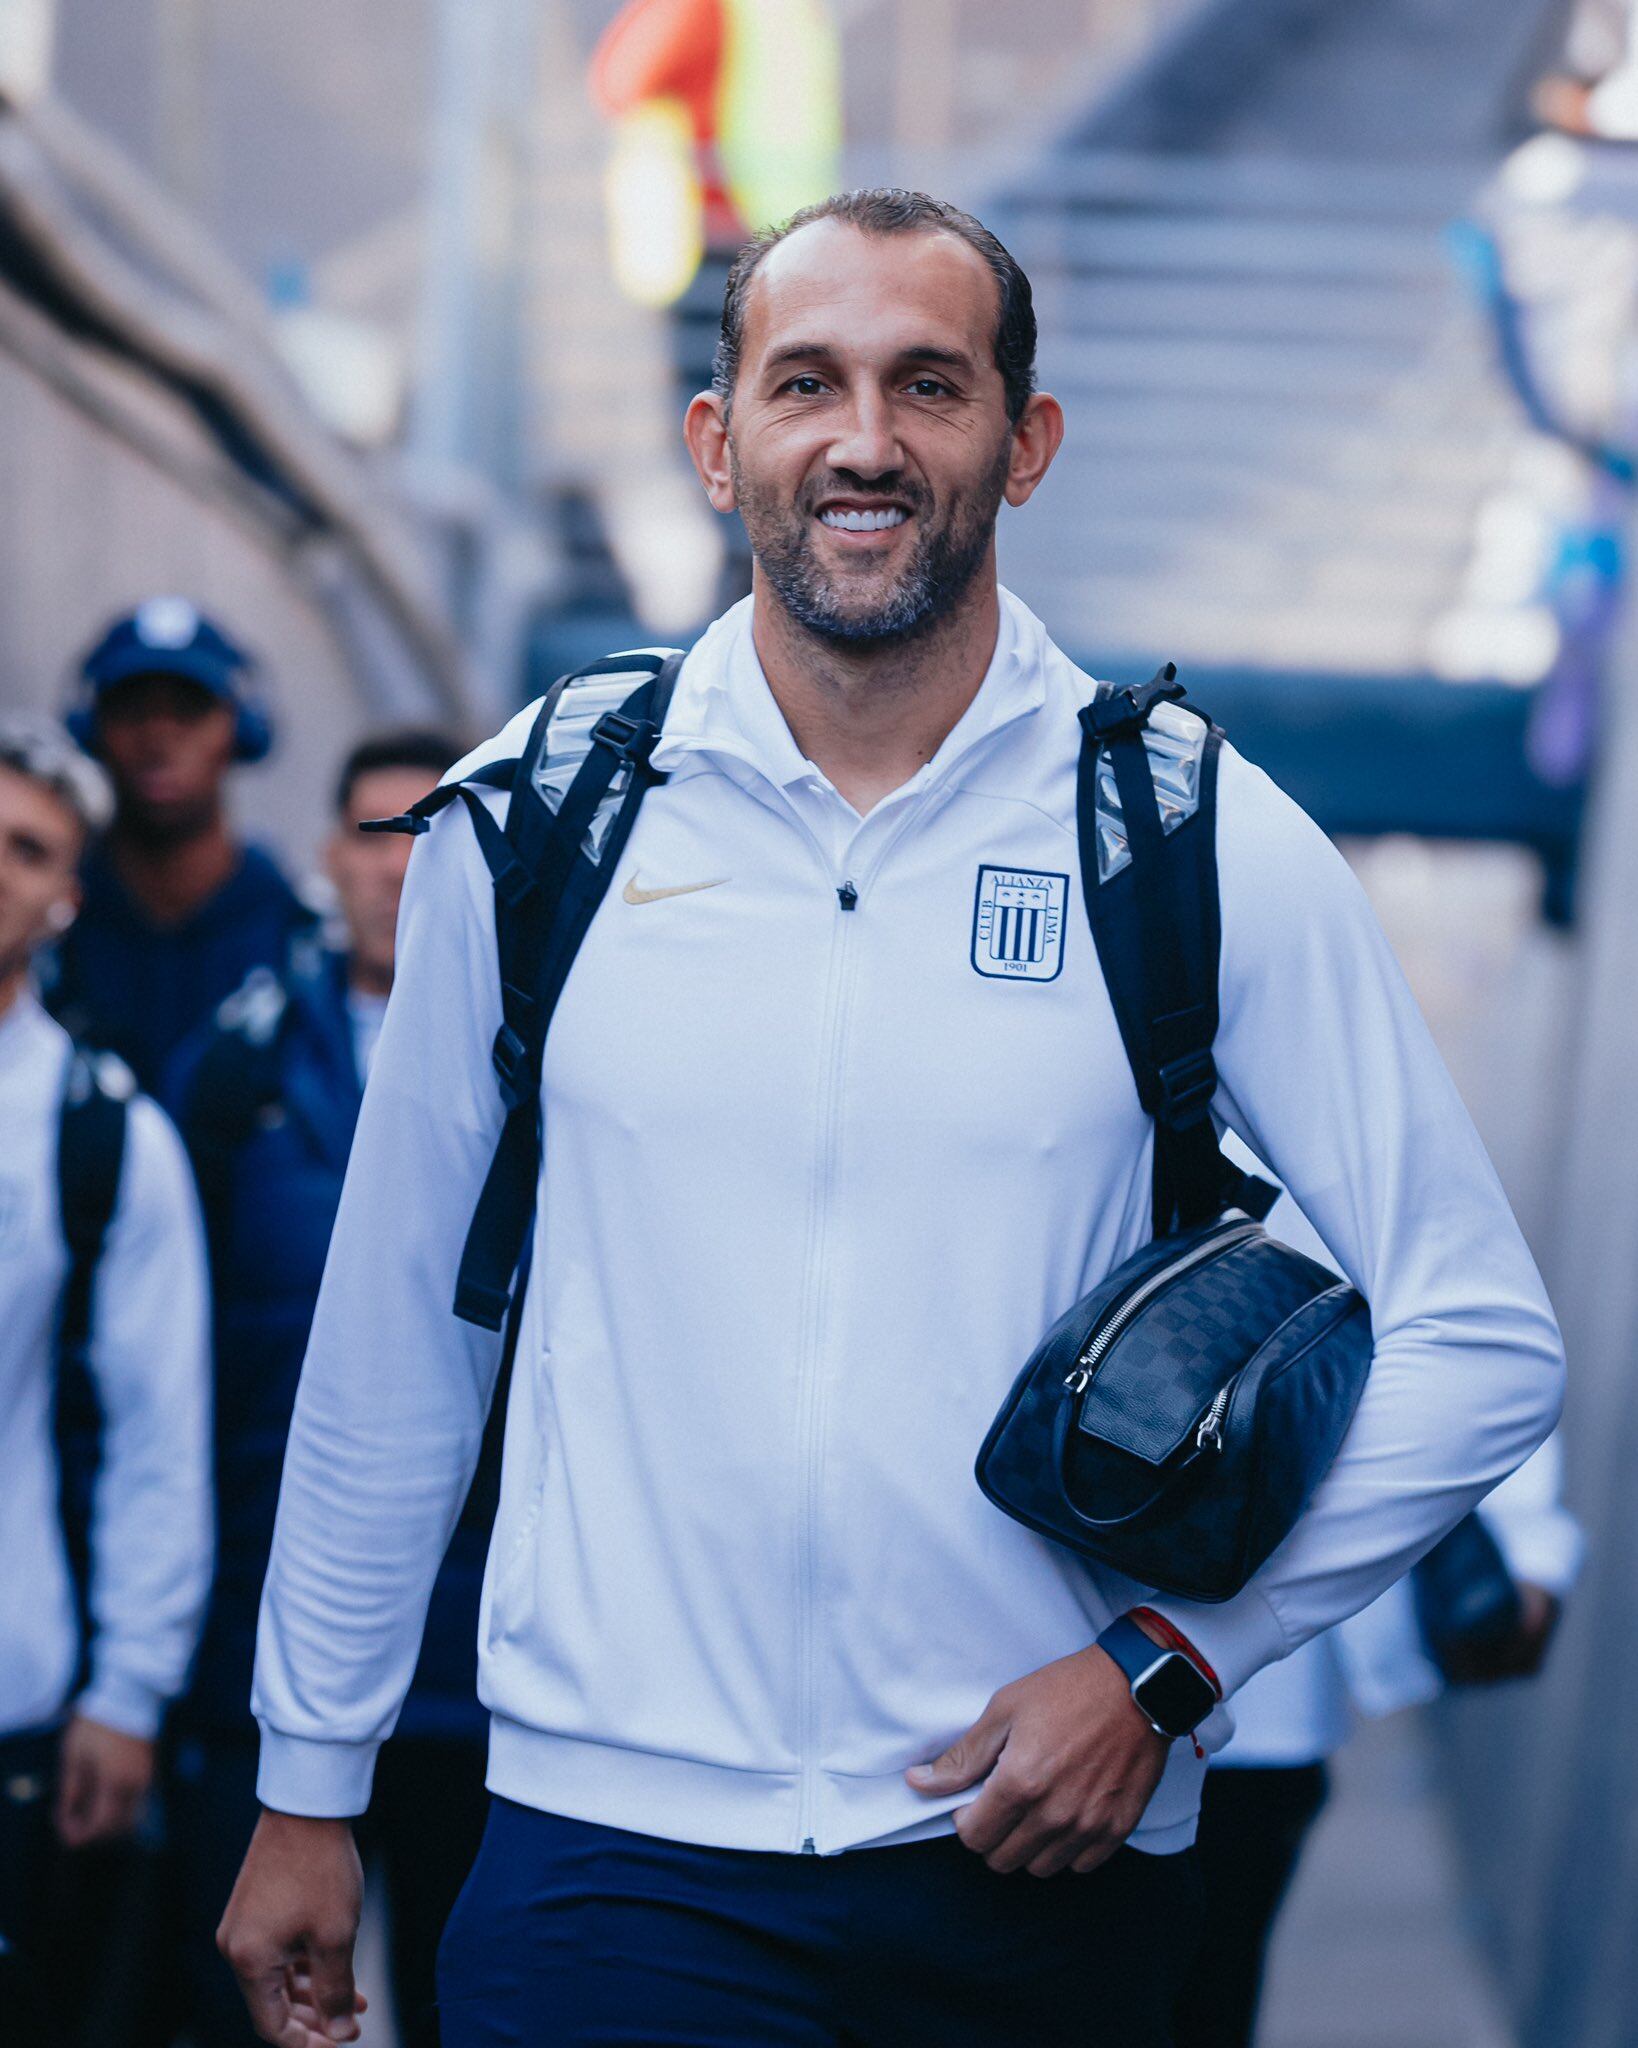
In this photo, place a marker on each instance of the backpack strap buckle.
(1187, 1085)
(509, 1056)
(631, 739)
(1127, 709)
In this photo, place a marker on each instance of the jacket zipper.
(1080, 1376)
(838, 993)
(809, 1431)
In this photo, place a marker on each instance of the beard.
(947, 555)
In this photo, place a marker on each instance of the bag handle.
(1164, 1483)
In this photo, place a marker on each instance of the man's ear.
(705, 429)
(1036, 439)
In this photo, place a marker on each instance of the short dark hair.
(405, 746)
(888, 210)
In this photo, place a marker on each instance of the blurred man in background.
(100, 1249)
(1267, 1788)
(178, 909)
(1595, 93)
(267, 1097)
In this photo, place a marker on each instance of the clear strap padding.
(1176, 744)
(584, 701)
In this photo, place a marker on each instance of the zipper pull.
(848, 896)
(1211, 1427)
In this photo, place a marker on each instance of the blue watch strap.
(1137, 1655)
(1131, 1649)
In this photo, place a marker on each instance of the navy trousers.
(570, 1935)
(1253, 1824)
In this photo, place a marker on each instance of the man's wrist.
(1168, 1636)
(303, 1823)
(1171, 1685)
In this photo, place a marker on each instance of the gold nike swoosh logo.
(631, 893)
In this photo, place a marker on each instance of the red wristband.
(1175, 1639)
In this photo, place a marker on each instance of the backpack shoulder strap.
(575, 792)
(1146, 812)
(90, 1154)
(91, 1140)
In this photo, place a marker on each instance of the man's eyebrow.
(817, 351)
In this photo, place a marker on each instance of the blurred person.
(77, 1760)
(175, 911)
(780, 1706)
(1596, 93)
(1267, 1787)
(177, 908)
(267, 1097)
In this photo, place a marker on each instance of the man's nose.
(866, 442)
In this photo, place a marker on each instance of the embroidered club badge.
(1018, 924)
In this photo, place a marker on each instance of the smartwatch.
(1172, 1693)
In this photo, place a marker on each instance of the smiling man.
(786, 1720)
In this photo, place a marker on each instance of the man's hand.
(1517, 1655)
(289, 1930)
(1071, 1765)
(102, 1780)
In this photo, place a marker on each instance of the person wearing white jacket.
(76, 1758)
(1267, 1785)
(814, 1183)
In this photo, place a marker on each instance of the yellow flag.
(656, 213)
(779, 121)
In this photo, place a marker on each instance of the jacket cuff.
(1236, 1637)
(125, 1704)
(317, 1780)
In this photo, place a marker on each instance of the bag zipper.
(1080, 1376)
(1211, 1427)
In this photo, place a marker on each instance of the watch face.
(1174, 1695)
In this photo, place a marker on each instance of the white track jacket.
(816, 1180)
(150, 1359)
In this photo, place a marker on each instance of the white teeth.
(864, 522)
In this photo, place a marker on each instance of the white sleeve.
(394, 1390)
(1539, 1537)
(151, 1535)
(1329, 1073)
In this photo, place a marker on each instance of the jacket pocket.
(514, 1543)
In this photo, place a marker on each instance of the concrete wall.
(89, 525)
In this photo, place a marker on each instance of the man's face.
(168, 744)
(40, 845)
(868, 439)
(367, 868)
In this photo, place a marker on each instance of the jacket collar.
(724, 707)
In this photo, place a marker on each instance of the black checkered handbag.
(1174, 1424)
